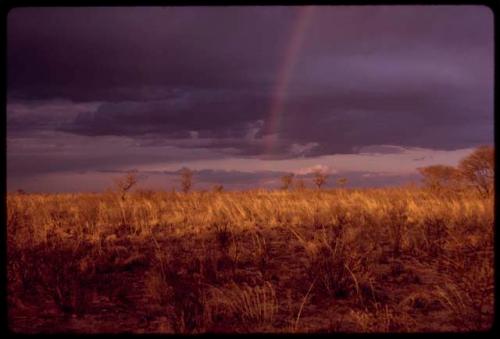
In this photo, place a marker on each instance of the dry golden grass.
(379, 260)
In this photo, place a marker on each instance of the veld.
(373, 260)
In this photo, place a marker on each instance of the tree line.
(476, 171)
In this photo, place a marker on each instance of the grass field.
(374, 260)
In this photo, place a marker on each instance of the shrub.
(478, 169)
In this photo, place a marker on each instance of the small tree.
(478, 169)
(186, 179)
(440, 177)
(341, 182)
(287, 180)
(125, 183)
(319, 178)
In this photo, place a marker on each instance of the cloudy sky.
(242, 95)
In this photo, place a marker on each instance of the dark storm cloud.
(59, 152)
(112, 53)
(28, 118)
(211, 113)
(205, 77)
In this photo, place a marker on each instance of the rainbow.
(284, 74)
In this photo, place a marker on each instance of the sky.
(244, 95)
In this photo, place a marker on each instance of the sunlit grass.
(378, 260)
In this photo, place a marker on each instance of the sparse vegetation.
(287, 181)
(341, 182)
(300, 184)
(440, 178)
(478, 169)
(186, 179)
(218, 188)
(125, 183)
(319, 178)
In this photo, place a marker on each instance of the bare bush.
(186, 179)
(440, 178)
(287, 181)
(218, 188)
(478, 169)
(319, 178)
(125, 183)
(342, 182)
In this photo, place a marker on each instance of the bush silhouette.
(319, 178)
(186, 179)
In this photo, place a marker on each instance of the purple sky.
(369, 93)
